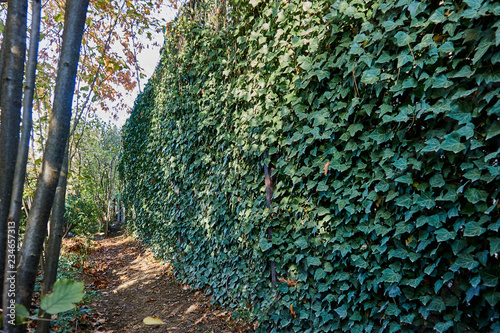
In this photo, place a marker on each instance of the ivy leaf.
(370, 76)
(406, 179)
(465, 260)
(389, 275)
(483, 46)
(494, 245)
(322, 186)
(265, 245)
(432, 145)
(443, 326)
(493, 130)
(452, 143)
(437, 16)
(473, 174)
(342, 311)
(65, 293)
(401, 163)
(313, 261)
(474, 4)
(404, 201)
(437, 181)
(402, 38)
(302, 243)
(437, 304)
(489, 279)
(462, 117)
(473, 229)
(475, 195)
(426, 200)
(492, 297)
(443, 235)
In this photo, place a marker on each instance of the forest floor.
(133, 285)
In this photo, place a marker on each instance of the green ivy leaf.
(483, 46)
(302, 243)
(475, 195)
(465, 260)
(473, 229)
(489, 279)
(492, 297)
(342, 311)
(65, 293)
(443, 235)
(494, 244)
(443, 326)
(404, 201)
(426, 200)
(406, 179)
(432, 145)
(313, 261)
(370, 76)
(389, 275)
(437, 181)
(493, 130)
(265, 245)
(452, 143)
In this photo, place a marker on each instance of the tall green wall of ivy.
(381, 124)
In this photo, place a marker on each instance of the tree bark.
(59, 127)
(53, 245)
(11, 91)
(22, 155)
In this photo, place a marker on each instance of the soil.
(134, 285)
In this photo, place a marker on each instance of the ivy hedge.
(379, 121)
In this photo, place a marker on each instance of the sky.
(147, 59)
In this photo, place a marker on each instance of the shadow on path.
(134, 286)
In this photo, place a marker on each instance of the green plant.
(381, 122)
(65, 293)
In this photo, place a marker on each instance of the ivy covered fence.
(379, 122)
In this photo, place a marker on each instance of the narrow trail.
(134, 286)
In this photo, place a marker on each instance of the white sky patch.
(147, 60)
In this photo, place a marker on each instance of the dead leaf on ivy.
(292, 311)
(325, 167)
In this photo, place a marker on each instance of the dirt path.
(134, 286)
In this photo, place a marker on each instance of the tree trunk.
(59, 127)
(22, 155)
(53, 245)
(11, 91)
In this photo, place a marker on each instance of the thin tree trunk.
(59, 128)
(11, 91)
(53, 245)
(22, 157)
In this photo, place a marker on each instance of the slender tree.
(22, 155)
(59, 127)
(11, 90)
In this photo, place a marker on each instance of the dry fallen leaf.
(153, 321)
(325, 168)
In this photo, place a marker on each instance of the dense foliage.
(381, 122)
(92, 184)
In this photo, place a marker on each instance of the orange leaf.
(292, 311)
(325, 168)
